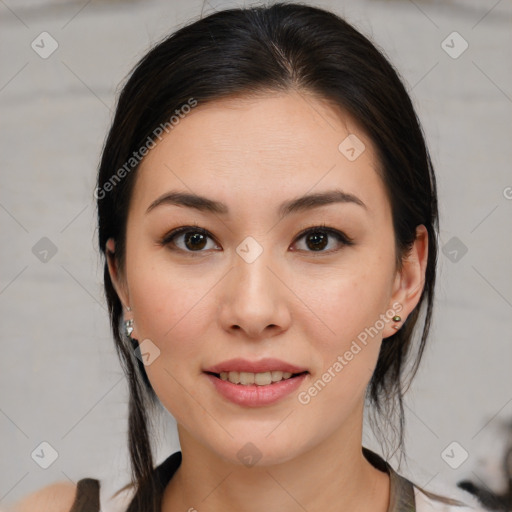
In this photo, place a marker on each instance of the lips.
(254, 395)
(261, 366)
(255, 383)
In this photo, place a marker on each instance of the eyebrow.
(303, 203)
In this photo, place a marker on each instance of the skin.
(57, 497)
(293, 303)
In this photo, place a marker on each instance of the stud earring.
(396, 318)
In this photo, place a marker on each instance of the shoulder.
(427, 503)
(57, 497)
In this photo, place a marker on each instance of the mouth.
(255, 383)
(256, 379)
(248, 389)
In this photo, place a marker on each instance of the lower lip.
(253, 395)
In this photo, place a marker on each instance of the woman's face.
(252, 286)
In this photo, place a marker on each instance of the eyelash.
(341, 237)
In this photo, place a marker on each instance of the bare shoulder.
(57, 497)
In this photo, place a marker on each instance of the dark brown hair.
(239, 52)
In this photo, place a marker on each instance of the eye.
(189, 239)
(194, 239)
(316, 239)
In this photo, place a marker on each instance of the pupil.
(197, 241)
(318, 240)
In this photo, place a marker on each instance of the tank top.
(402, 495)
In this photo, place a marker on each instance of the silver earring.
(128, 327)
(128, 324)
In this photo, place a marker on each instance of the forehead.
(274, 144)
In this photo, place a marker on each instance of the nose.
(254, 300)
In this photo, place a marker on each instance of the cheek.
(349, 308)
(170, 310)
(348, 305)
(169, 304)
(345, 301)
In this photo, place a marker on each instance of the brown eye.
(316, 239)
(189, 239)
(195, 241)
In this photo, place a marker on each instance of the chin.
(258, 450)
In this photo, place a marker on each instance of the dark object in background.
(490, 499)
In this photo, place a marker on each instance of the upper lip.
(263, 365)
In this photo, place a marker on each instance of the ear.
(115, 276)
(409, 281)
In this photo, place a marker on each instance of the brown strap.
(401, 490)
(401, 498)
(87, 498)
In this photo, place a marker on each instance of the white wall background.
(60, 380)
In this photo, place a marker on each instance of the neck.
(337, 467)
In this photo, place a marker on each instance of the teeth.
(263, 379)
(246, 378)
(234, 377)
(260, 379)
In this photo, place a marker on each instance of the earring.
(128, 324)
(128, 327)
(396, 318)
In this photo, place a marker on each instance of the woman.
(268, 214)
